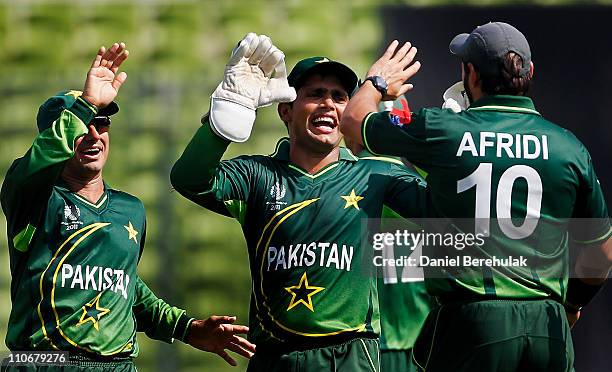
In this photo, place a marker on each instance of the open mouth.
(324, 124)
(91, 153)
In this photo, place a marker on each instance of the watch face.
(379, 83)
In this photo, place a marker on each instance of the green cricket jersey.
(73, 262)
(403, 299)
(311, 280)
(519, 179)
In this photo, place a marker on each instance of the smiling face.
(91, 152)
(313, 118)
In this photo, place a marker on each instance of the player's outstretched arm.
(255, 76)
(60, 120)
(395, 67)
(218, 334)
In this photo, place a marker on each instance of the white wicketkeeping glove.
(455, 98)
(255, 76)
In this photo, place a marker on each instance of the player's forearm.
(193, 172)
(365, 101)
(592, 269)
(156, 318)
(594, 263)
(54, 145)
(31, 177)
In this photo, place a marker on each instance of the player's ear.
(473, 76)
(531, 69)
(284, 112)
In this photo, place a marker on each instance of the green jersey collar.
(282, 152)
(504, 103)
(97, 206)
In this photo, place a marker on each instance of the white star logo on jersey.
(132, 232)
(352, 199)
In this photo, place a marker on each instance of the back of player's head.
(501, 55)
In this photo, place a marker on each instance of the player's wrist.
(376, 82)
(231, 120)
(83, 109)
(181, 331)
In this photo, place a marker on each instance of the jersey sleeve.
(384, 135)
(201, 176)
(156, 318)
(591, 221)
(406, 193)
(29, 180)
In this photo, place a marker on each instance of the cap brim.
(457, 45)
(347, 77)
(109, 110)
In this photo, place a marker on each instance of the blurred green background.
(193, 258)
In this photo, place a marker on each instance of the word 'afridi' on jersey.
(303, 233)
(518, 177)
(73, 262)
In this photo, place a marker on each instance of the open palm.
(103, 81)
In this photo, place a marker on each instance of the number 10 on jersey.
(481, 179)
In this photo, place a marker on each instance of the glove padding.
(455, 98)
(255, 76)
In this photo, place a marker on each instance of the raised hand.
(255, 76)
(103, 81)
(216, 334)
(396, 67)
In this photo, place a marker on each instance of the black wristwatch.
(379, 83)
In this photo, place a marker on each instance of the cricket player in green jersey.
(514, 174)
(314, 304)
(74, 243)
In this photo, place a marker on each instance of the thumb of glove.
(277, 89)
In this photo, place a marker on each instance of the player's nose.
(93, 133)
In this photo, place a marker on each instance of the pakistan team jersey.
(519, 179)
(311, 282)
(73, 262)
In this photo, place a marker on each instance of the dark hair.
(510, 80)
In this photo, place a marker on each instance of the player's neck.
(89, 187)
(312, 161)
